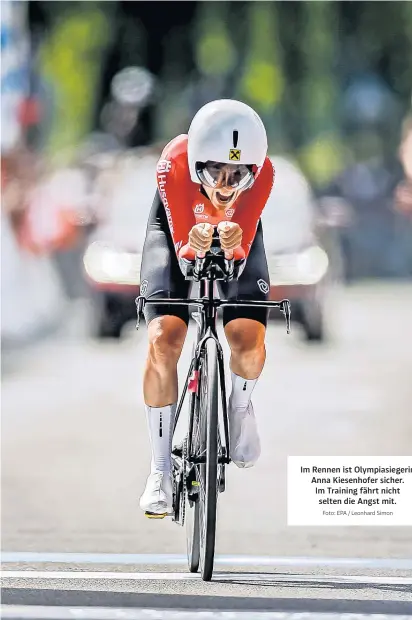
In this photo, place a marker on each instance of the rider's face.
(223, 194)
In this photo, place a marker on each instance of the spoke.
(202, 486)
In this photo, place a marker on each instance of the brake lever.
(285, 310)
(140, 303)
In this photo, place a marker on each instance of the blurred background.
(91, 93)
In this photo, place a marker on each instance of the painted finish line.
(228, 577)
(229, 560)
(34, 612)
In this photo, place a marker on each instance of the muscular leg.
(246, 339)
(166, 338)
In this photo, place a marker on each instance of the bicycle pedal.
(193, 490)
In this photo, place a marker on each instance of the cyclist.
(216, 175)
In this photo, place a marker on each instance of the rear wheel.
(192, 496)
(209, 438)
(193, 537)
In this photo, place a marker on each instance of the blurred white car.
(112, 259)
(298, 264)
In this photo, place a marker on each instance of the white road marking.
(229, 577)
(38, 612)
(228, 560)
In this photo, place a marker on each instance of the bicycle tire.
(209, 434)
(192, 511)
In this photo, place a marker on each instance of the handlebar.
(283, 305)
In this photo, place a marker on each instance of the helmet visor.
(215, 174)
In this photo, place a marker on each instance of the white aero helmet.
(228, 132)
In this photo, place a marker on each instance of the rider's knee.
(245, 335)
(166, 338)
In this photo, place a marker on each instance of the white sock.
(241, 391)
(160, 422)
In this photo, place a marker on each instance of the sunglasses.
(235, 176)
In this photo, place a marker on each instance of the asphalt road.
(75, 457)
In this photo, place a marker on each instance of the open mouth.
(224, 199)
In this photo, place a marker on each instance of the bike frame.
(207, 330)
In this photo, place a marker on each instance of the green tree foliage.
(70, 61)
(321, 155)
(214, 49)
(262, 81)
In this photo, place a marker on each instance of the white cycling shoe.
(243, 436)
(157, 499)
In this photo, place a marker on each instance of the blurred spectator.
(32, 298)
(59, 215)
(377, 241)
(403, 195)
(47, 210)
(20, 169)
